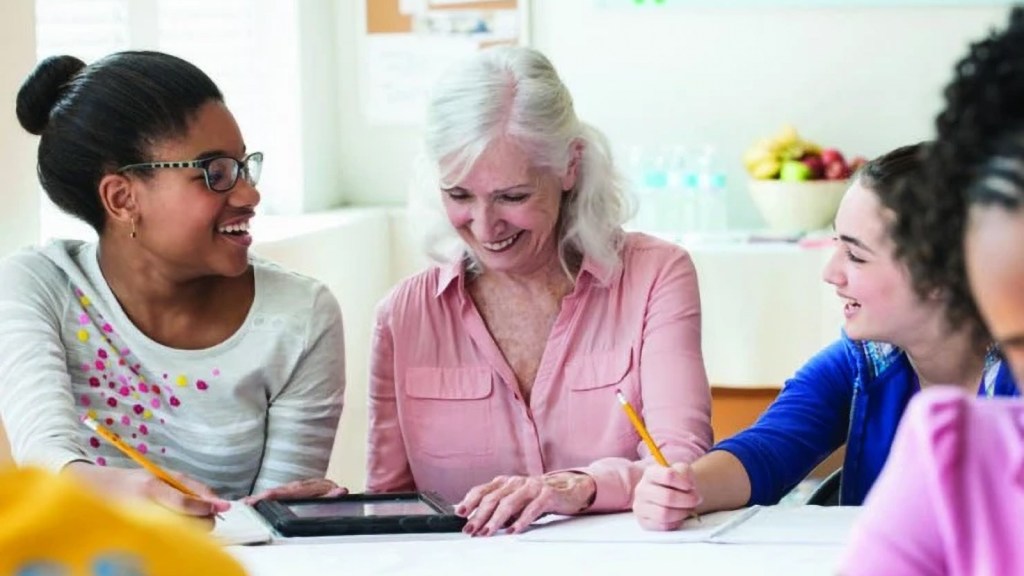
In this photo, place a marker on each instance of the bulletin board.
(407, 44)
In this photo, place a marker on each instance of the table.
(504, 555)
(455, 554)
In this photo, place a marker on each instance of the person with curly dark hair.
(985, 102)
(956, 475)
(986, 127)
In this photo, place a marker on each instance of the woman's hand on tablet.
(309, 488)
(514, 502)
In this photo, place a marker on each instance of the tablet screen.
(381, 508)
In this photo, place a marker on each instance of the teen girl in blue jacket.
(895, 343)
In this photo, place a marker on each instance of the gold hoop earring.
(133, 234)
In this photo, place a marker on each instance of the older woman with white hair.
(494, 374)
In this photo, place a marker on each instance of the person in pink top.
(494, 374)
(951, 497)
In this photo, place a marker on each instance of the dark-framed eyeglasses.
(220, 172)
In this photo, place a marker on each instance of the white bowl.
(797, 206)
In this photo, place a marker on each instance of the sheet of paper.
(624, 528)
(808, 525)
(242, 525)
(398, 71)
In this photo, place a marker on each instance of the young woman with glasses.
(215, 364)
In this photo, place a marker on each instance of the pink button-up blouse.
(446, 413)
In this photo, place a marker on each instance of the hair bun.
(41, 90)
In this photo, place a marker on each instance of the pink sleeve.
(673, 385)
(901, 528)
(387, 465)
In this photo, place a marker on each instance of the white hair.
(515, 92)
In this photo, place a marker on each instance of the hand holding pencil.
(667, 494)
(175, 492)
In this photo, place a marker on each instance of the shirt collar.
(456, 271)
(604, 274)
(449, 273)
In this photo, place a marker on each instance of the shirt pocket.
(448, 411)
(595, 415)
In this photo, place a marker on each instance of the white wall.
(350, 252)
(375, 161)
(19, 219)
(862, 79)
(318, 55)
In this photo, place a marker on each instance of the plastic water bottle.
(649, 177)
(689, 223)
(635, 173)
(678, 210)
(657, 192)
(710, 183)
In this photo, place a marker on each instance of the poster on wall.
(406, 45)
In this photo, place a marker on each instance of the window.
(251, 48)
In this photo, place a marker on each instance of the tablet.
(397, 513)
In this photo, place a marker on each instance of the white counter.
(766, 309)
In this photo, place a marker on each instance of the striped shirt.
(252, 412)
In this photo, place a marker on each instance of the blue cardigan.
(851, 392)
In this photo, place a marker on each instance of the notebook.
(625, 528)
(803, 525)
(242, 525)
(806, 525)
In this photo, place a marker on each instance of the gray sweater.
(255, 411)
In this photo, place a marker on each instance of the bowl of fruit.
(796, 184)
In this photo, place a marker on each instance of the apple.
(831, 156)
(857, 162)
(837, 170)
(815, 163)
(794, 171)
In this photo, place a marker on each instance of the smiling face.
(994, 251)
(185, 225)
(507, 211)
(879, 301)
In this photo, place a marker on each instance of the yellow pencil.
(642, 431)
(139, 458)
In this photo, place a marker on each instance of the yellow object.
(766, 169)
(137, 457)
(52, 525)
(642, 430)
(764, 159)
